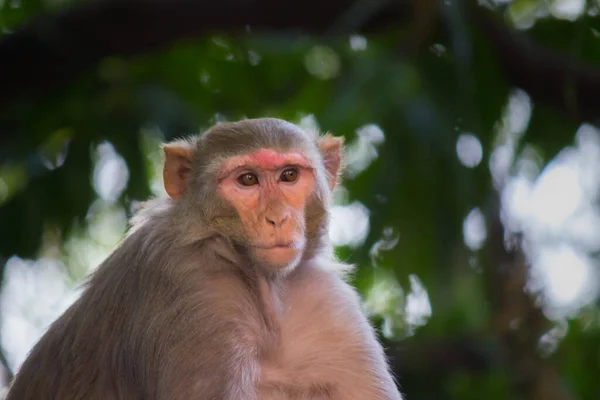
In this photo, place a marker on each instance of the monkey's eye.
(289, 175)
(248, 179)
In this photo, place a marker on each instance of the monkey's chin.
(279, 257)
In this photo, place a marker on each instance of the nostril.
(270, 221)
(276, 221)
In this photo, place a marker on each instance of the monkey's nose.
(276, 220)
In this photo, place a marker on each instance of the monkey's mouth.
(287, 245)
(278, 255)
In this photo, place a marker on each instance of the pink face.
(269, 191)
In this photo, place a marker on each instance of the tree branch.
(53, 48)
(567, 84)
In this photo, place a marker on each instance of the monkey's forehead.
(264, 125)
(253, 134)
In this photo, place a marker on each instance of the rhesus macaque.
(225, 289)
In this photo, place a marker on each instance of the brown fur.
(179, 311)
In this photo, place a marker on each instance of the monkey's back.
(140, 330)
(62, 366)
(94, 351)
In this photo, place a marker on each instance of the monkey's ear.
(177, 168)
(331, 150)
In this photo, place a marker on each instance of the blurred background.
(470, 204)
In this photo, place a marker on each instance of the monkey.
(227, 287)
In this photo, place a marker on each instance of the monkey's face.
(263, 183)
(269, 191)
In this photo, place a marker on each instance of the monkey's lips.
(279, 245)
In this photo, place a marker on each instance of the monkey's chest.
(316, 347)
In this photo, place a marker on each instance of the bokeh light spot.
(322, 62)
(349, 224)
(358, 42)
(110, 173)
(474, 230)
(469, 150)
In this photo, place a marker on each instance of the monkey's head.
(263, 183)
